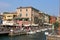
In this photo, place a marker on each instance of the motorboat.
(31, 32)
(38, 30)
(46, 33)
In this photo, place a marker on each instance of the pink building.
(28, 14)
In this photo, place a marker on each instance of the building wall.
(41, 19)
(1, 16)
(23, 12)
(52, 19)
(35, 15)
(8, 16)
(58, 19)
(47, 19)
(32, 12)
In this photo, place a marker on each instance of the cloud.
(4, 4)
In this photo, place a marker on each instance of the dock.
(4, 32)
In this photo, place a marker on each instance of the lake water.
(37, 36)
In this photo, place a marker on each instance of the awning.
(27, 25)
(34, 24)
(47, 24)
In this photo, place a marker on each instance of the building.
(1, 17)
(28, 14)
(52, 19)
(58, 19)
(8, 18)
(41, 18)
(46, 18)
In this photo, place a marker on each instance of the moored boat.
(38, 30)
(17, 32)
(31, 32)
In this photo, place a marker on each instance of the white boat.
(45, 29)
(42, 29)
(38, 30)
(46, 33)
(50, 28)
(31, 32)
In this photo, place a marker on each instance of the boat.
(38, 30)
(17, 32)
(46, 33)
(4, 31)
(42, 29)
(45, 29)
(31, 32)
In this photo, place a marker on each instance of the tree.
(56, 25)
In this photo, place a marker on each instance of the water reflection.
(38, 36)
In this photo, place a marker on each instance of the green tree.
(56, 25)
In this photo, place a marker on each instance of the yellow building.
(58, 19)
(8, 18)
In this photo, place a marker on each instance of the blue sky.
(50, 7)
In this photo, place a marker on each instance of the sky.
(50, 7)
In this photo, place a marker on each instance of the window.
(14, 16)
(26, 10)
(20, 10)
(9, 16)
(20, 14)
(26, 14)
(9, 19)
(32, 14)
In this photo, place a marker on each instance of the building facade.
(46, 18)
(52, 19)
(1, 17)
(8, 18)
(58, 19)
(28, 14)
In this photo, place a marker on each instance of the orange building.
(52, 19)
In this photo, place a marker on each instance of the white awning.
(47, 23)
(27, 25)
(34, 24)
